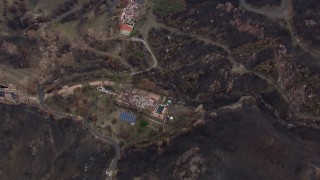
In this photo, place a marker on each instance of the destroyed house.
(136, 100)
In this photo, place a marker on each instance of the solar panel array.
(127, 117)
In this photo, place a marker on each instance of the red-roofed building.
(128, 16)
(126, 29)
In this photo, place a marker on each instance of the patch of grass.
(143, 123)
(138, 54)
(181, 117)
(98, 23)
(265, 67)
(153, 133)
(118, 78)
(140, 130)
(107, 101)
(252, 47)
(165, 7)
(140, 22)
(67, 28)
(88, 90)
(134, 32)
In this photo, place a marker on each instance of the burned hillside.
(226, 148)
(180, 89)
(34, 146)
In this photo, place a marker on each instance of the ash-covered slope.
(34, 146)
(243, 142)
(218, 53)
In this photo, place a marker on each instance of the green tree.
(143, 123)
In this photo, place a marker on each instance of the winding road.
(284, 11)
(155, 61)
(281, 12)
(113, 166)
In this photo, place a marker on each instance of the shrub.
(114, 120)
(143, 123)
(164, 7)
(107, 101)
(134, 32)
(124, 134)
(138, 54)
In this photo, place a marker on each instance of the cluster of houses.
(128, 17)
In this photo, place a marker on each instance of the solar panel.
(127, 117)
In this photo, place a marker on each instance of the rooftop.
(126, 29)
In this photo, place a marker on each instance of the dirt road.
(113, 166)
(280, 12)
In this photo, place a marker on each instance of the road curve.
(276, 12)
(155, 61)
(116, 147)
(117, 150)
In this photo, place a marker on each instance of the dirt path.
(285, 12)
(18, 77)
(152, 22)
(155, 61)
(279, 12)
(122, 60)
(111, 55)
(113, 165)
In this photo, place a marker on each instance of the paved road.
(41, 95)
(113, 165)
